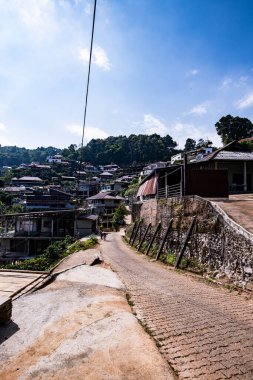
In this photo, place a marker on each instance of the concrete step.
(5, 309)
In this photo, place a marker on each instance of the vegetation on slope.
(53, 254)
(122, 150)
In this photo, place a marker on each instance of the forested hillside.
(121, 150)
(135, 149)
(14, 156)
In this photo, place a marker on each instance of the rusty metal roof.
(148, 187)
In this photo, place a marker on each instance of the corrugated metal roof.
(106, 174)
(105, 196)
(148, 187)
(89, 217)
(212, 155)
(27, 178)
(234, 156)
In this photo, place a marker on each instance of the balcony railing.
(170, 191)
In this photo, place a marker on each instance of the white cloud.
(88, 8)
(99, 57)
(3, 140)
(192, 73)
(200, 109)
(228, 82)
(84, 55)
(2, 127)
(178, 131)
(89, 132)
(243, 78)
(181, 131)
(152, 125)
(37, 16)
(245, 102)
(34, 13)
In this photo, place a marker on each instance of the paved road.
(203, 331)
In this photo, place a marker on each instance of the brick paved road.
(203, 331)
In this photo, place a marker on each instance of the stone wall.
(218, 246)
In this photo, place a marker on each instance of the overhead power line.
(87, 90)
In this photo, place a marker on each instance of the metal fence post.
(144, 237)
(136, 232)
(132, 233)
(180, 256)
(164, 239)
(153, 238)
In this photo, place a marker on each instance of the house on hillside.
(121, 184)
(106, 177)
(28, 234)
(236, 159)
(105, 188)
(89, 168)
(14, 190)
(149, 168)
(80, 174)
(104, 205)
(56, 159)
(213, 175)
(161, 183)
(52, 200)
(112, 168)
(27, 181)
(68, 183)
(87, 188)
(177, 159)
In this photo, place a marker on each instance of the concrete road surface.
(80, 327)
(240, 208)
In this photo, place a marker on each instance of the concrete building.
(28, 234)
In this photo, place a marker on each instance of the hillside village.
(42, 202)
(126, 190)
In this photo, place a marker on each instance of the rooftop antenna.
(87, 93)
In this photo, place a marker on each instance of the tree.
(2, 207)
(125, 151)
(15, 209)
(119, 215)
(190, 144)
(132, 189)
(71, 152)
(203, 143)
(233, 128)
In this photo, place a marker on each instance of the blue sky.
(166, 66)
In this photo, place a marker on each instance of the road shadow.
(6, 331)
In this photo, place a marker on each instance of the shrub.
(171, 258)
(53, 254)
